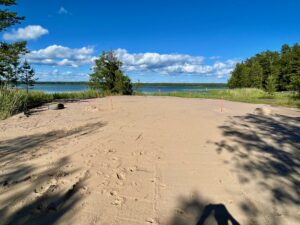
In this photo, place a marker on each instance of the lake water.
(59, 88)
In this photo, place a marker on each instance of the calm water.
(58, 88)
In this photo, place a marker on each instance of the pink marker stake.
(222, 105)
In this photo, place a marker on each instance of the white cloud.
(139, 63)
(172, 64)
(30, 32)
(62, 10)
(57, 55)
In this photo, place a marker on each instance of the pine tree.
(271, 71)
(235, 80)
(284, 77)
(8, 18)
(256, 74)
(295, 65)
(108, 76)
(9, 53)
(10, 61)
(27, 75)
(271, 84)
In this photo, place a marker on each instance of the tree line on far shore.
(269, 70)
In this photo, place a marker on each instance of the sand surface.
(151, 160)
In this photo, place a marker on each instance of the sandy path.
(151, 160)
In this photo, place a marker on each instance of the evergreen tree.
(9, 53)
(295, 65)
(108, 76)
(10, 61)
(271, 84)
(256, 74)
(284, 77)
(244, 76)
(8, 18)
(27, 75)
(235, 80)
(271, 71)
(268, 61)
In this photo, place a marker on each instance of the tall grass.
(13, 101)
(248, 95)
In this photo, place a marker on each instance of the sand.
(151, 160)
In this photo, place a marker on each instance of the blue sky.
(158, 41)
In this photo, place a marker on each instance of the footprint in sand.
(150, 220)
(132, 169)
(118, 201)
(121, 176)
(46, 186)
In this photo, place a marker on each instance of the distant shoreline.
(144, 84)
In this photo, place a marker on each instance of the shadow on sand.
(29, 146)
(197, 211)
(38, 193)
(266, 150)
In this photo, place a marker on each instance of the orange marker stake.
(222, 105)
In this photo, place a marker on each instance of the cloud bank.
(57, 55)
(172, 64)
(138, 63)
(30, 32)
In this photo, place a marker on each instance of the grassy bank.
(13, 101)
(248, 95)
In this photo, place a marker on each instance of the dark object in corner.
(220, 213)
(56, 106)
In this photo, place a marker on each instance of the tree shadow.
(44, 199)
(29, 146)
(198, 211)
(265, 150)
(39, 193)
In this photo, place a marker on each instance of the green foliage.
(248, 95)
(295, 69)
(78, 95)
(271, 71)
(108, 76)
(13, 101)
(271, 84)
(9, 61)
(8, 18)
(27, 75)
(10, 53)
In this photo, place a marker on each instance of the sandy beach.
(151, 160)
